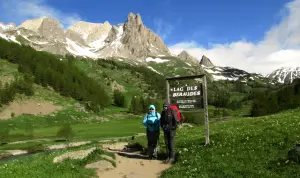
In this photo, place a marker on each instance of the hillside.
(130, 79)
(44, 101)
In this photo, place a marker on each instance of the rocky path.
(131, 165)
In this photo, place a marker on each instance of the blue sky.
(236, 33)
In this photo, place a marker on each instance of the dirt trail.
(132, 165)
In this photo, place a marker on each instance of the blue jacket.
(152, 122)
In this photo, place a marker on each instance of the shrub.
(194, 118)
(134, 105)
(29, 130)
(66, 132)
(4, 133)
(225, 112)
(235, 104)
(217, 112)
(119, 98)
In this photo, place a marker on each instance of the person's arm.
(145, 120)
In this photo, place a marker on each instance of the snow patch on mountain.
(76, 49)
(154, 70)
(98, 43)
(117, 43)
(7, 27)
(3, 36)
(212, 71)
(157, 60)
(225, 73)
(188, 64)
(11, 38)
(220, 77)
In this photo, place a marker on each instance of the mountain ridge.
(284, 75)
(132, 39)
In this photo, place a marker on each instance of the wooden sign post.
(192, 96)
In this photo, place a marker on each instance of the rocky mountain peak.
(46, 27)
(92, 34)
(184, 55)
(106, 23)
(285, 74)
(130, 41)
(34, 24)
(135, 19)
(140, 40)
(205, 61)
(86, 28)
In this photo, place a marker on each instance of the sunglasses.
(151, 109)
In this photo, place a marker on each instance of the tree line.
(64, 77)
(20, 85)
(269, 102)
(140, 104)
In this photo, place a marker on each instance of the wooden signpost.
(191, 96)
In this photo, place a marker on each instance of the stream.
(13, 157)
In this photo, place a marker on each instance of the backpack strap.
(149, 115)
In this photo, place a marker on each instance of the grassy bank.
(40, 165)
(240, 147)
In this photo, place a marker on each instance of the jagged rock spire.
(205, 61)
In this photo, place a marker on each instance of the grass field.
(84, 125)
(240, 147)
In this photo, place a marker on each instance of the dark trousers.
(169, 141)
(152, 138)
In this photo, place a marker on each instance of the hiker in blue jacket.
(152, 123)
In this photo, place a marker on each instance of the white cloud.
(279, 48)
(20, 10)
(162, 28)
